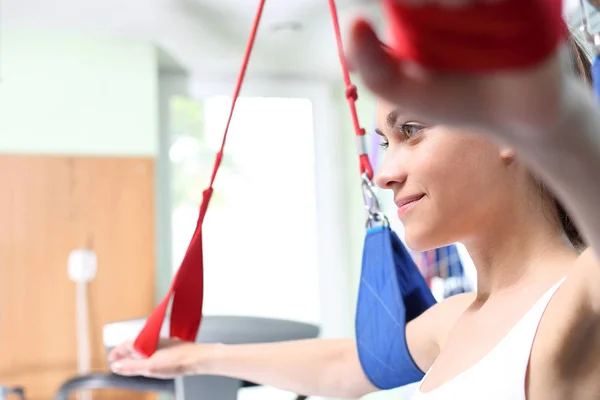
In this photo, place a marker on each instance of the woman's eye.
(409, 130)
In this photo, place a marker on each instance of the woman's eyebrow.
(392, 119)
(378, 131)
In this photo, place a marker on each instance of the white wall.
(77, 95)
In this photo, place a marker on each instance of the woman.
(532, 328)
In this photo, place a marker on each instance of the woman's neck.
(517, 253)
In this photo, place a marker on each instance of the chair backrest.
(8, 392)
(221, 329)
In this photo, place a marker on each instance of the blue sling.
(392, 292)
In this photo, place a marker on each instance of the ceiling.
(207, 37)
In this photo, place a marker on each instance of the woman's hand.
(172, 358)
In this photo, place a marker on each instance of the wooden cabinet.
(50, 205)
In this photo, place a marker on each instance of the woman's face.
(449, 185)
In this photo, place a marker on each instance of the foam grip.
(479, 37)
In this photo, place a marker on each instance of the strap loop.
(351, 92)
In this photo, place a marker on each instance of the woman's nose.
(391, 172)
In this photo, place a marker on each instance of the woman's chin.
(420, 241)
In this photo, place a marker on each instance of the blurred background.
(110, 115)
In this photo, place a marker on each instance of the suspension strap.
(351, 95)
(187, 288)
(374, 214)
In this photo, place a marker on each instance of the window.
(275, 240)
(260, 231)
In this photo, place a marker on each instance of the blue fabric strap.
(392, 292)
(596, 76)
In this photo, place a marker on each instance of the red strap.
(352, 96)
(187, 289)
(481, 37)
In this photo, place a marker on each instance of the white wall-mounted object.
(82, 268)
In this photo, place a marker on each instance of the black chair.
(215, 329)
(113, 381)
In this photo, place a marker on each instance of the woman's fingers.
(171, 359)
(167, 366)
(124, 350)
(370, 59)
(130, 367)
(148, 367)
(399, 82)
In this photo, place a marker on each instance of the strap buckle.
(375, 217)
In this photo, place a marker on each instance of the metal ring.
(378, 219)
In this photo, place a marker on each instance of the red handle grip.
(479, 37)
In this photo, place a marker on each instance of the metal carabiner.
(375, 216)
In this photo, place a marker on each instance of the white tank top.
(500, 374)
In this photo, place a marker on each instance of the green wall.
(65, 94)
(75, 95)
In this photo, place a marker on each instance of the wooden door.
(48, 207)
